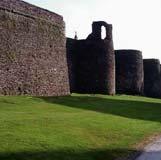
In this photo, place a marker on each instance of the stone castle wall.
(152, 78)
(129, 72)
(35, 58)
(28, 10)
(32, 51)
(94, 62)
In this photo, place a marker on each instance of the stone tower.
(93, 61)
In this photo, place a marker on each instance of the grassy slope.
(78, 127)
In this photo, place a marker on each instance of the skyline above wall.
(136, 24)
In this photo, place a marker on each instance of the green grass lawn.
(77, 127)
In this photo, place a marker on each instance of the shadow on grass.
(71, 155)
(126, 108)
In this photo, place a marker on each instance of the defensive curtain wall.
(36, 59)
(32, 51)
(91, 67)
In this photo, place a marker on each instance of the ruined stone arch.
(97, 30)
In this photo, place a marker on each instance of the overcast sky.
(136, 23)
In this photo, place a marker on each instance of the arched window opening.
(103, 32)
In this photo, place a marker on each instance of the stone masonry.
(32, 51)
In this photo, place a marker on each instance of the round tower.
(129, 72)
(152, 78)
(95, 63)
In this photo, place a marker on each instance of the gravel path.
(151, 151)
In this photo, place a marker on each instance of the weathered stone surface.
(152, 78)
(129, 72)
(22, 8)
(32, 51)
